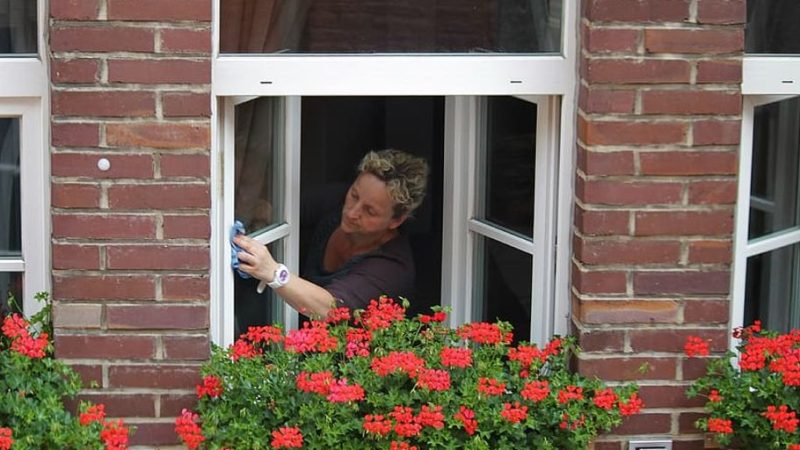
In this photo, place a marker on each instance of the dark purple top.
(388, 270)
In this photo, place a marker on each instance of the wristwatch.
(280, 278)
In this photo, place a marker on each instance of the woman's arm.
(302, 295)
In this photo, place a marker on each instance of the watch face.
(283, 276)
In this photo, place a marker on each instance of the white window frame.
(458, 78)
(23, 95)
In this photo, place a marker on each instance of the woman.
(359, 254)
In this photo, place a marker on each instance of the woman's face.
(368, 208)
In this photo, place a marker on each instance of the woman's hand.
(256, 259)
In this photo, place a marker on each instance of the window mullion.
(292, 132)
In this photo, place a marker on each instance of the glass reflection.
(772, 26)
(18, 32)
(10, 287)
(252, 309)
(390, 26)
(503, 286)
(771, 292)
(776, 160)
(10, 208)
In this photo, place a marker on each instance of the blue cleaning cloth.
(237, 229)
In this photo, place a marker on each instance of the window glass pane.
(772, 26)
(10, 287)
(251, 308)
(508, 164)
(774, 185)
(259, 150)
(503, 286)
(18, 26)
(389, 26)
(10, 222)
(771, 292)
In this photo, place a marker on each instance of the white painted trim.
(770, 75)
(218, 244)
(12, 265)
(286, 75)
(292, 134)
(772, 242)
(491, 231)
(272, 234)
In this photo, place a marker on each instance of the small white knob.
(103, 164)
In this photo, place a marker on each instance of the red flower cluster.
(536, 391)
(722, 426)
(696, 346)
(467, 417)
(402, 446)
(377, 424)
(313, 337)
(114, 435)
(212, 386)
(287, 437)
(566, 423)
(95, 413)
(318, 382)
(266, 334)
(434, 380)
(437, 317)
(514, 413)
(406, 425)
(605, 399)
(431, 417)
(632, 406)
(337, 315)
(406, 362)
(781, 418)
(341, 392)
(456, 357)
(714, 396)
(358, 340)
(381, 313)
(5, 439)
(571, 393)
(189, 431)
(16, 328)
(484, 333)
(243, 349)
(490, 386)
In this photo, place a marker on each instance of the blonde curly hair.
(405, 175)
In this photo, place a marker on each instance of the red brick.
(74, 70)
(668, 397)
(637, 10)
(159, 196)
(75, 134)
(629, 193)
(685, 444)
(66, 256)
(688, 163)
(627, 71)
(691, 102)
(186, 41)
(643, 423)
(602, 40)
(173, 404)
(719, 71)
(721, 11)
(627, 311)
(153, 376)
(157, 257)
(607, 100)
(706, 311)
(121, 287)
(102, 39)
(193, 227)
(105, 346)
(713, 282)
(103, 226)
(628, 369)
(599, 282)
(707, 42)
(722, 192)
(686, 422)
(674, 340)
(158, 10)
(602, 341)
(85, 165)
(694, 368)
(159, 71)
(192, 165)
(153, 434)
(710, 252)
(601, 222)
(157, 317)
(186, 105)
(74, 9)
(186, 347)
(89, 373)
(73, 195)
(605, 163)
(633, 133)
(627, 251)
(657, 223)
(179, 287)
(122, 404)
(104, 103)
(158, 135)
(717, 132)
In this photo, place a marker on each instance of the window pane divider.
(12, 265)
(773, 241)
(273, 234)
(497, 234)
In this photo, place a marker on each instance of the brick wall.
(130, 83)
(658, 129)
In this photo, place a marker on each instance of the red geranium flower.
(287, 437)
